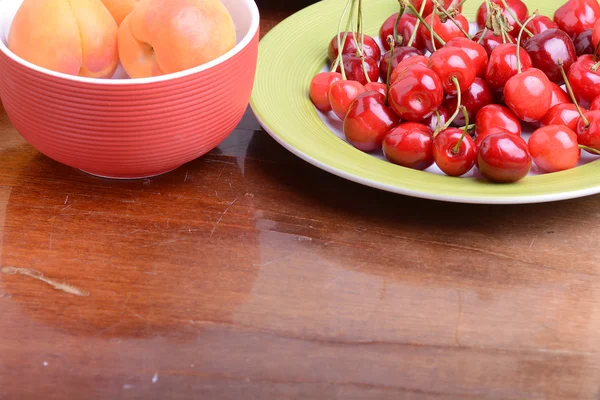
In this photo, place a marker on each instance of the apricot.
(120, 8)
(162, 37)
(76, 37)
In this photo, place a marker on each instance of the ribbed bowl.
(130, 128)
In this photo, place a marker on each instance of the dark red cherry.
(371, 47)
(554, 148)
(474, 99)
(504, 158)
(589, 135)
(354, 68)
(342, 94)
(416, 93)
(489, 41)
(583, 43)
(368, 121)
(546, 48)
(454, 152)
(409, 145)
(575, 16)
(479, 138)
(446, 30)
(537, 25)
(319, 89)
(562, 114)
(595, 103)
(452, 63)
(400, 54)
(406, 63)
(518, 8)
(528, 95)
(475, 51)
(438, 119)
(406, 25)
(503, 65)
(584, 80)
(559, 96)
(497, 116)
(447, 4)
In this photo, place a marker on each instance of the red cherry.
(445, 30)
(454, 152)
(446, 4)
(451, 63)
(342, 94)
(400, 54)
(474, 98)
(528, 95)
(433, 122)
(504, 158)
(479, 138)
(583, 43)
(416, 93)
(546, 48)
(537, 25)
(319, 89)
(497, 116)
(475, 51)
(371, 47)
(518, 8)
(559, 96)
(596, 35)
(376, 87)
(489, 41)
(503, 64)
(595, 103)
(589, 135)
(409, 145)
(575, 16)
(554, 148)
(368, 121)
(584, 80)
(406, 63)
(406, 25)
(562, 114)
(354, 68)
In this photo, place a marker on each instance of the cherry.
(554, 148)
(474, 98)
(406, 63)
(371, 47)
(368, 121)
(575, 16)
(546, 48)
(537, 25)
(428, 9)
(474, 50)
(489, 41)
(353, 66)
(454, 151)
(596, 35)
(416, 93)
(588, 130)
(400, 54)
(583, 43)
(454, 67)
(562, 114)
(406, 26)
(376, 86)
(479, 138)
(342, 94)
(595, 103)
(515, 7)
(319, 89)
(409, 145)
(445, 30)
(497, 116)
(528, 95)
(559, 96)
(503, 158)
(584, 80)
(503, 64)
(439, 118)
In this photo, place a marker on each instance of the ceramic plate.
(296, 49)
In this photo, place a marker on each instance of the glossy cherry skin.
(518, 7)
(584, 81)
(583, 43)
(433, 122)
(410, 145)
(596, 35)
(589, 135)
(405, 64)
(342, 94)
(452, 62)
(406, 25)
(451, 163)
(400, 54)
(479, 138)
(319, 89)
(368, 121)
(354, 68)
(475, 51)
(429, 5)
(416, 93)
(376, 86)
(559, 96)
(562, 114)
(595, 103)
(446, 30)
(474, 99)
(546, 48)
(554, 148)
(503, 65)
(537, 25)
(528, 95)
(489, 41)
(371, 47)
(575, 16)
(504, 158)
(497, 116)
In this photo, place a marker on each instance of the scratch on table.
(456, 333)
(35, 274)
(67, 199)
(187, 174)
(221, 217)
(532, 243)
(155, 378)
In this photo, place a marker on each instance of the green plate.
(296, 49)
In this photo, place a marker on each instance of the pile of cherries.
(439, 95)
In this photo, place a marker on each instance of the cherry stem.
(451, 18)
(590, 149)
(468, 127)
(413, 36)
(437, 119)
(519, 40)
(400, 13)
(514, 17)
(596, 52)
(390, 41)
(432, 38)
(339, 60)
(458, 104)
(425, 24)
(465, 131)
(485, 29)
(595, 66)
(570, 90)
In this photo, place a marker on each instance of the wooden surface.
(249, 274)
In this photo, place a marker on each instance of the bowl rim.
(241, 45)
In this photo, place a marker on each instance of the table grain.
(250, 274)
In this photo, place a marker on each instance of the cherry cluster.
(439, 95)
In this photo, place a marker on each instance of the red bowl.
(130, 128)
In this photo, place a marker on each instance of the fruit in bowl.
(119, 9)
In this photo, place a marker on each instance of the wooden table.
(249, 274)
